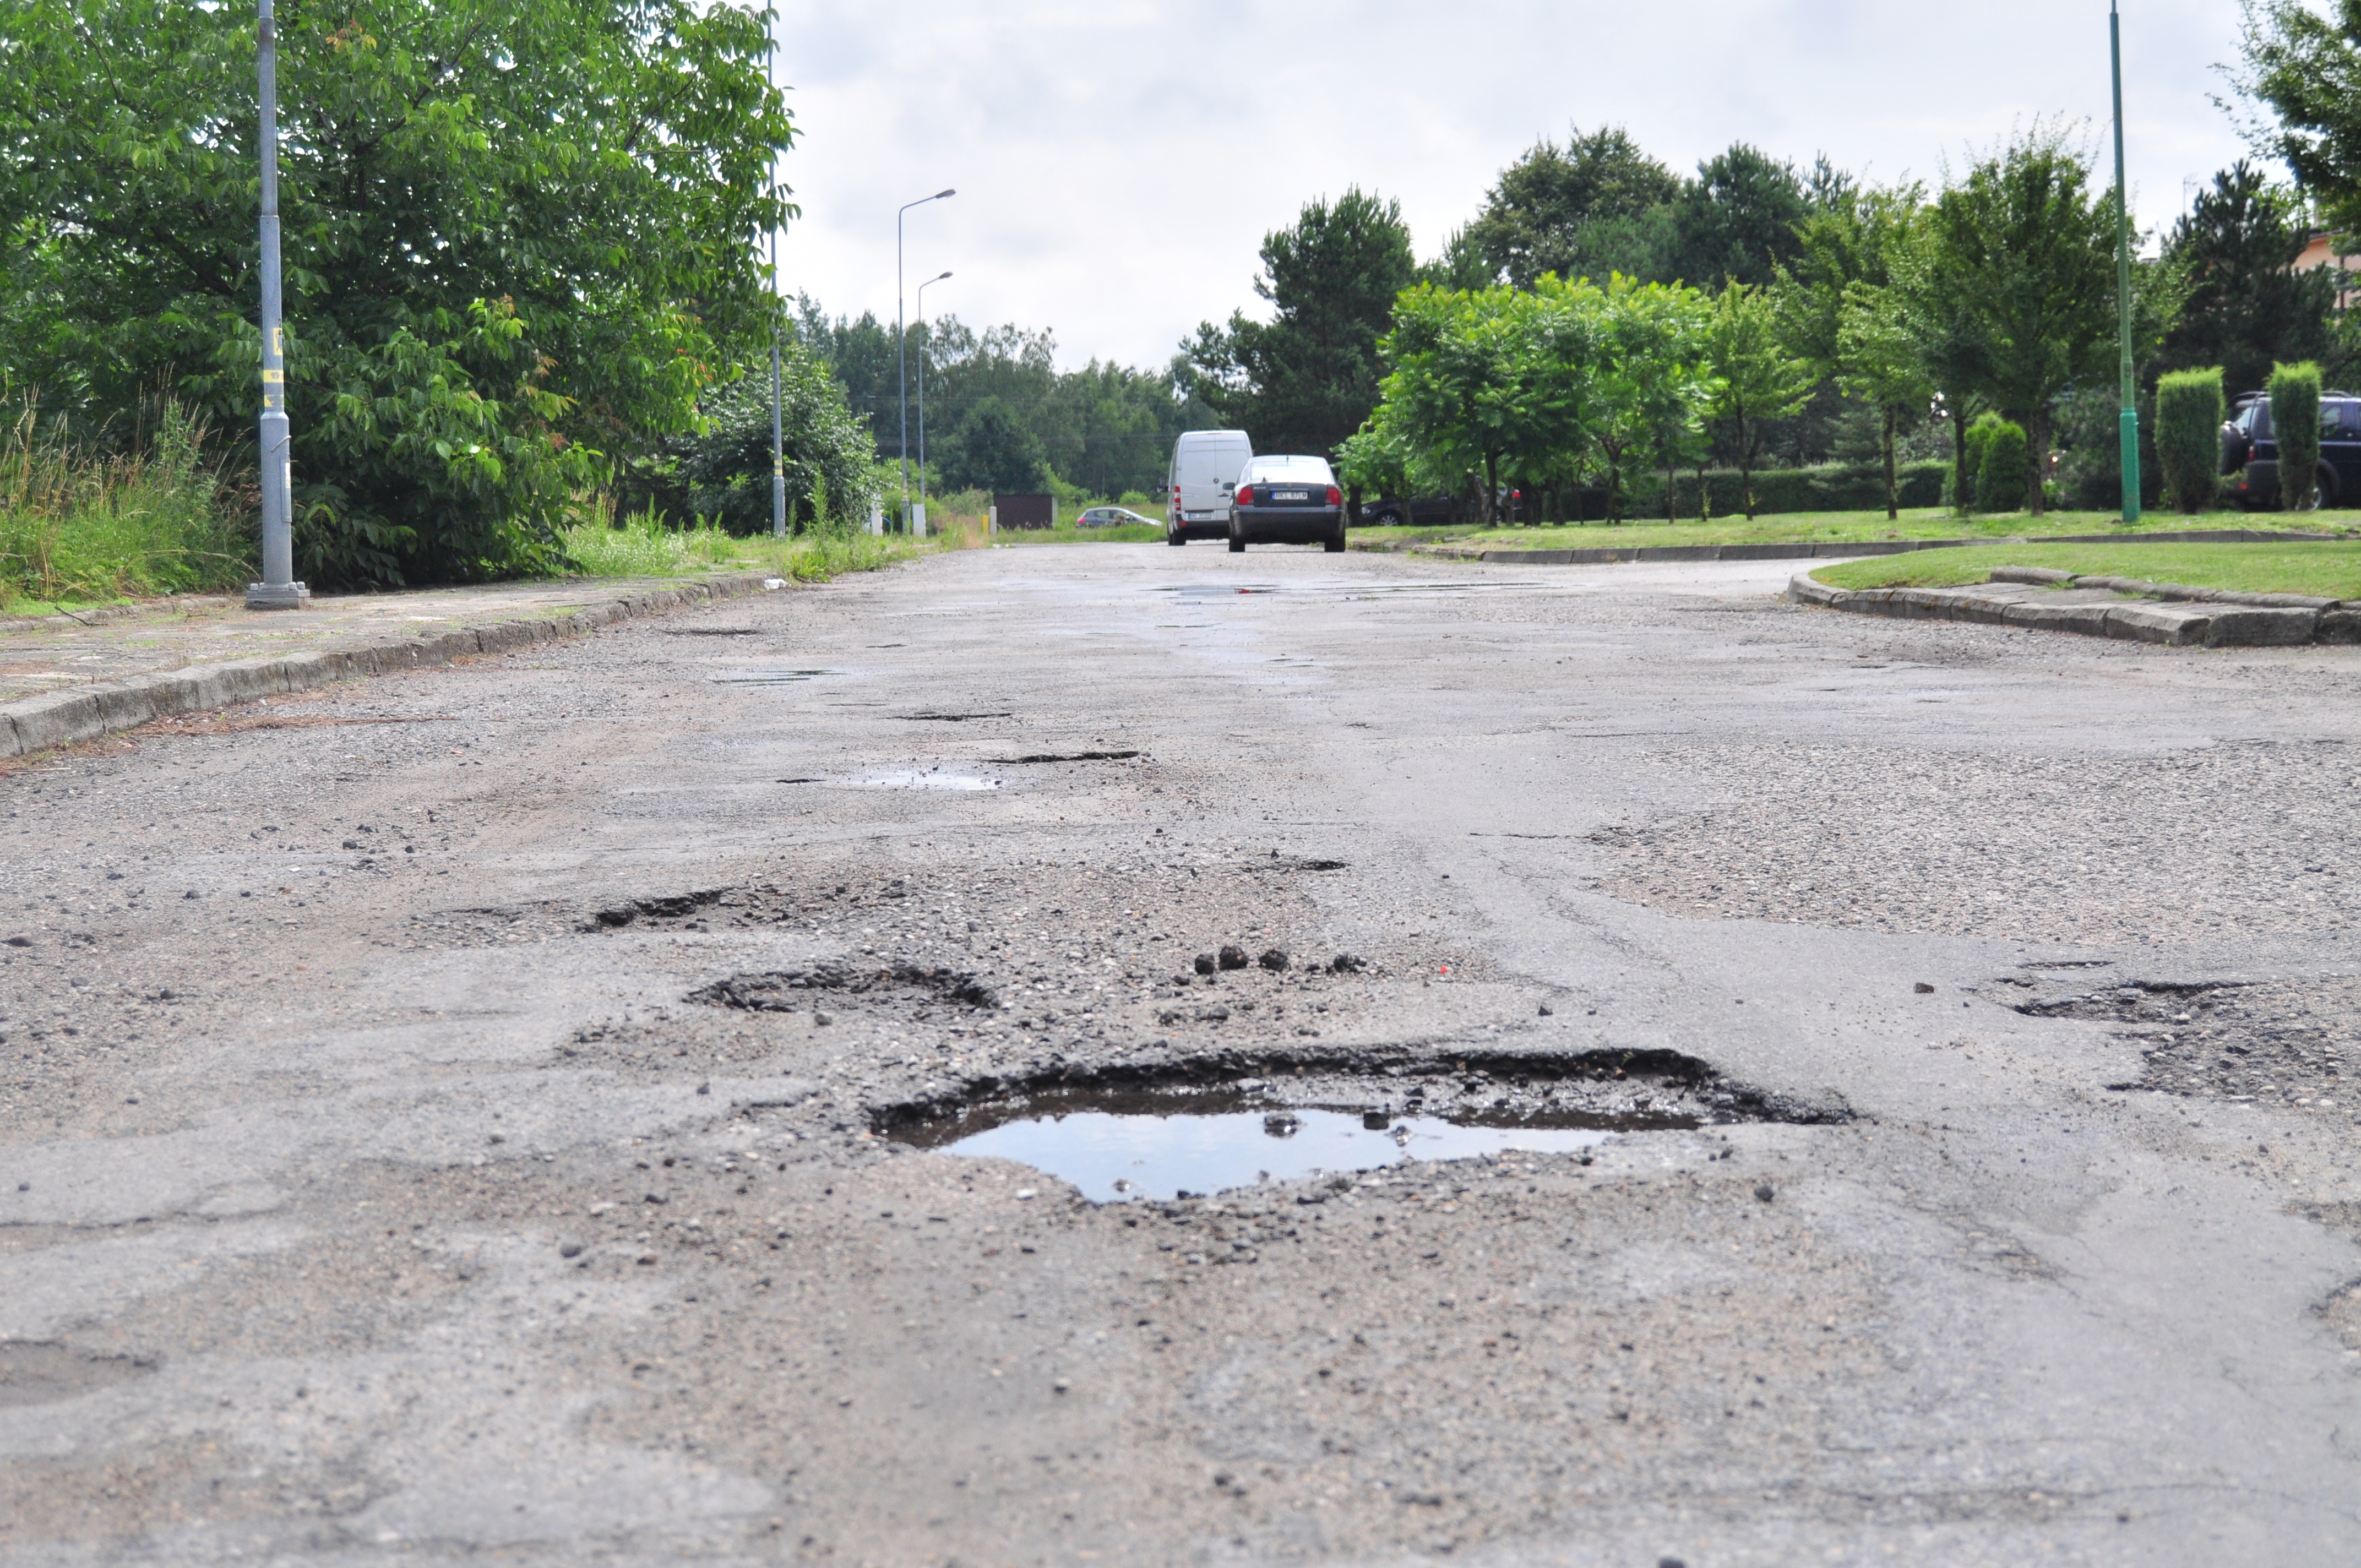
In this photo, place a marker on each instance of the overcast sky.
(1119, 161)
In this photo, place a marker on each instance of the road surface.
(463, 1116)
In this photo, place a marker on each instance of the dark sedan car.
(2250, 457)
(1287, 501)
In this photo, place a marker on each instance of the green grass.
(2330, 571)
(83, 527)
(1789, 528)
(1067, 534)
(644, 547)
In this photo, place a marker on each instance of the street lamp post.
(778, 421)
(922, 386)
(902, 340)
(278, 589)
(2129, 422)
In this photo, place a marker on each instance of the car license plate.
(1291, 495)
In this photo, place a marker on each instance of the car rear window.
(1309, 471)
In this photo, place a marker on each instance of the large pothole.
(1162, 1133)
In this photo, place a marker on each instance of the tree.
(518, 241)
(2306, 68)
(1305, 379)
(826, 451)
(1756, 377)
(2247, 309)
(1736, 219)
(1882, 365)
(2025, 250)
(1595, 206)
(1453, 402)
(992, 449)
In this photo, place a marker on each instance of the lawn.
(2330, 571)
(641, 548)
(1067, 534)
(1791, 528)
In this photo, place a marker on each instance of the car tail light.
(1245, 494)
(1336, 497)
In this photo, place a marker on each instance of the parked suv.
(1287, 501)
(2250, 458)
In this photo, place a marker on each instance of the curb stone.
(85, 713)
(1607, 555)
(2039, 599)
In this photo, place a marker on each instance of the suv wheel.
(1171, 537)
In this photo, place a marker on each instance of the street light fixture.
(902, 339)
(922, 385)
(278, 589)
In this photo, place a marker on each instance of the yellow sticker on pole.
(273, 376)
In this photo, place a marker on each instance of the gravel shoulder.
(385, 1174)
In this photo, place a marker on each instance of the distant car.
(2250, 455)
(1112, 517)
(1287, 501)
(1205, 464)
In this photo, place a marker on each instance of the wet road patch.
(43, 1372)
(1195, 1129)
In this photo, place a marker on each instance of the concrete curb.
(1605, 556)
(2173, 616)
(85, 713)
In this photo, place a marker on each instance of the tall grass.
(81, 524)
(644, 545)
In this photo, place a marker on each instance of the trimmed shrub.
(2003, 464)
(2295, 424)
(1832, 488)
(2188, 407)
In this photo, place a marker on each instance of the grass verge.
(1795, 528)
(2330, 571)
(644, 547)
(1067, 534)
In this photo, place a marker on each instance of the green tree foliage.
(2003, 465)
(1881, 364)
(2295, 426)
(993, 448)
(1756, 380)
(1305, 379)
(1737, 219)
(2023, 251)
(2247, 310)
(2189, 407)
(518, 241)
(827, 453)
(2306, 68)
(1595, 206)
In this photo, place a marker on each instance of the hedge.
(1832, 488)
(2188, 436)
(2295, 425)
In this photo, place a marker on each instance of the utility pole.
(922, 386)
(2130, 421)
(278, 589)
(778, 442)
(902, 342)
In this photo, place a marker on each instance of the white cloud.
(1117, 163)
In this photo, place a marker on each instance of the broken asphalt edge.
(2177, 616)
(85, 713)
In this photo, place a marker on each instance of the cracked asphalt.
(459, 1117)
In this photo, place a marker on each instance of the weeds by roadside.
(82, 525)
(643, 546)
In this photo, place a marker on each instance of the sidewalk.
(67, 678)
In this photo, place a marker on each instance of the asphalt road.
(445, 1118)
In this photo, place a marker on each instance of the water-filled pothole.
(1152, 1134)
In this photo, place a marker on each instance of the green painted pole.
(2130, 421)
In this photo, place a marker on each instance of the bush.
(2295, 424)
(1832, 488)
(828, 455)
(2189, 407)
(2003, 464)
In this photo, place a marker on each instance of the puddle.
(1112, 1157)
(1159, 1135)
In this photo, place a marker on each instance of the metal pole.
(278, 590)
(778, 419)
(902, 340)
(922, 385)
(2130, 419)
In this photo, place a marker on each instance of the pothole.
(1161, 1133)
(2137, 1001)
(2289, 1042)
(43, 1372)
(2342, 1313)
(954, 717)
(769, 677)
(1064, 757)
(798, 991)
(902, 778)
(710, 632)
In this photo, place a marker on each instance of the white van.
(1205, 469)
